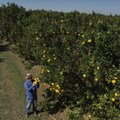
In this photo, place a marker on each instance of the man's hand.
(34, 83)
(38, 81)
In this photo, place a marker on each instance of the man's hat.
(28, 76)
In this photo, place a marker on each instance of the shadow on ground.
(1, 60)
(51, 107)
(3, 47)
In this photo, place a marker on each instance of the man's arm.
(27, 87)
(37, 85)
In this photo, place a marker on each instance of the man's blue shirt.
(31, 91)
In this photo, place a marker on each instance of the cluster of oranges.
(116, 94)
(54, 87)
(114, 80)
(43, 70)
(89, 41)
(36, 80)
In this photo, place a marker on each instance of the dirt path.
(12, 100)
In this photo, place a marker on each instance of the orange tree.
(10, 22)
(80, 53)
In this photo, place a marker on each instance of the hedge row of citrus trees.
(78, 52)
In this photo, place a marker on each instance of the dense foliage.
(78, 51)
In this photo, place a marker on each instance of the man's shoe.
(27, 115)
(35, 113)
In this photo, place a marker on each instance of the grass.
(1, 80)
(1, 100)
(0, 77)
(14, 74)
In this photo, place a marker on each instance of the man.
(31, 94)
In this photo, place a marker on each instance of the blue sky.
(99, 6)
